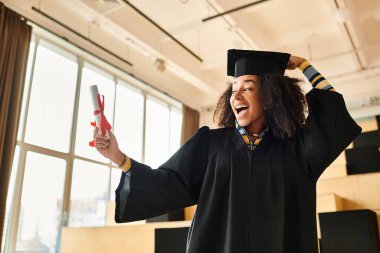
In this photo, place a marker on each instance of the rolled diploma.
(94, 98)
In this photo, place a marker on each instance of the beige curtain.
(190, 125)
(15, 37)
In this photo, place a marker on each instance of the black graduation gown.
(261, 201)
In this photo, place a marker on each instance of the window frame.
(119, 77)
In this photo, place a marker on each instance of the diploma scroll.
(100, 119)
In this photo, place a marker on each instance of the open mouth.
(241, 108)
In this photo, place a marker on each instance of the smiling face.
(246, 105)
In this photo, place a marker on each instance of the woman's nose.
(238, 95)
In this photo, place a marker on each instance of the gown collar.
(252, 141)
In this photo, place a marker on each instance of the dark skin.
(244, 93)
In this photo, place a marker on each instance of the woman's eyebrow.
(245, 81)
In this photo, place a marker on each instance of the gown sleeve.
(175, 184)
(328, 130)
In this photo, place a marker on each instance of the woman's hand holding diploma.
(104, 140)
(108, 147)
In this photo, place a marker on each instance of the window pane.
(175, 130)
(11, 189)
(106, 86)
(41, 203)
(129, 121)
(52, 100)
(89, 194)
(115, 179)
(157, 133)
(32, 47)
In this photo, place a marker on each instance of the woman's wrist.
(119, 159)
(127, 164)
(303, 65)
(294, 62)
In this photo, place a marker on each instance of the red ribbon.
(104, 124)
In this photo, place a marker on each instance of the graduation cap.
(250, 62)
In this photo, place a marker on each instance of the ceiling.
(341, 38)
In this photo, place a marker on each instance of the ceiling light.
(160, 65)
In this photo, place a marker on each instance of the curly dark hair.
(283, 102)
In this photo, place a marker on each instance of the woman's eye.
(247, 89)
(234, 91)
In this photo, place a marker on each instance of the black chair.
(363, 160)
(171, 240)
(349, 232)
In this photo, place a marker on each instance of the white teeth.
(240, 106)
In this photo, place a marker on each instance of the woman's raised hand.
(294, 61)
(108, 147)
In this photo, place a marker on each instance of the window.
(129, 120)
(157, 140)
(89, 194)
(175, 129)
(41, 203)
(106, 86)
(163, 131)
(52, 100)
(10, 194)
(57, 179)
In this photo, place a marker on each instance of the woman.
(254, 179)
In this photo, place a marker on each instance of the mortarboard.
(250, 62)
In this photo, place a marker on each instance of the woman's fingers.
(96, 134)
(101, 143)
(294, 61)
(106, 144)
(100, 146)
(111, 134)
